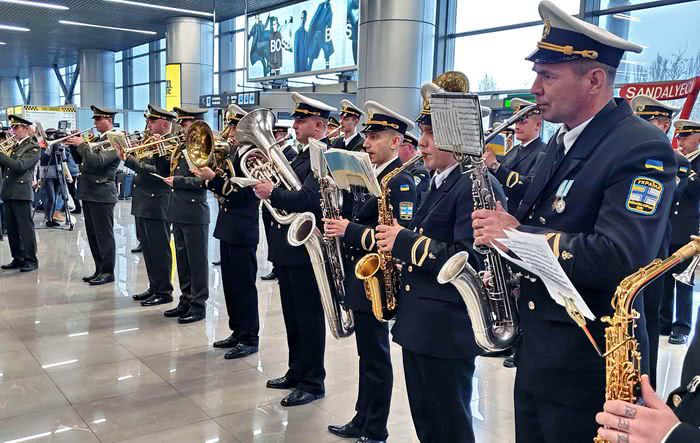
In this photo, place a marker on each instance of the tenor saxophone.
(622, 356)
(381, 287)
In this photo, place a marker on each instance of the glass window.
(216, 83)
(140, 94)
(139, 50)
(76, 90)
(162, 94)
(76, 100)
(161, 43)
(216, 29)
(118, 56)
(240, 43)
(119, 98)
(676, 56)
(216, 55)
(495, 13)
(240, 22)
(118, 77)
(607, 4)
(139, 70)
(497, 70)
(161, 60)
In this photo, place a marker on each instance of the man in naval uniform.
(17, 169)
(600, 197)
(98, 192)
(408, 150)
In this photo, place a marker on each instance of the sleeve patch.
(404, 188)
(644, 195)
(406, 210)
(654, 164)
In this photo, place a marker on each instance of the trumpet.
(62, 139)
(7, 146)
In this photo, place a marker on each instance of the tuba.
(377, 270)
(622, 356)
(325, 253)
(492, 305)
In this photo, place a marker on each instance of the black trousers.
(539, 420)
(155, 239)
(306, 331)
(20, 230)
(683, 296)
(239, 267)
(191, 251)
(439, 394)
(99, 225)
(376, 376)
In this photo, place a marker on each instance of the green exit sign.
(507, 100)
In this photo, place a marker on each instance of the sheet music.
(456, 119)
(535, 256)
(352, 168)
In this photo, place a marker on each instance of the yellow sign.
(173, 96)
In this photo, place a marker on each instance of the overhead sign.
(173, 85)
(49, 116)
(229, 98)
(305, 38)
(660, 90)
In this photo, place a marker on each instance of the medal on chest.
(559, 204)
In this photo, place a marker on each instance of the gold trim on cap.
(382, 123)
(568, 50)
(306, 111)
(665, 114)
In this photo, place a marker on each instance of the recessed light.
(36, 4)
(14, 28)
(114, 28)
(3, 43)
(165, 8)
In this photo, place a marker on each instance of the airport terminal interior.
(82, 360)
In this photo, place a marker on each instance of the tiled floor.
(84, 364)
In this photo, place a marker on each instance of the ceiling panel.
(50, 42)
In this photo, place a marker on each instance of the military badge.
(547, 29)
(644, 195)
(406, 210)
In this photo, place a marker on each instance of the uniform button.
(279, 226)
(408, 288)
(420, 231)
(153, 195)
(675, 212)
(530, 216)
(225, 209)
(172, 190)
(678, 203)
(352, 258)
(531, 305)
(542, 220)
(677, 400)
(410, 268)
(192, 200)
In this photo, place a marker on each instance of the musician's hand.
(121, 153)
(263, 190)
(635, 423)
(386, 236)
(490, 225)
(489, 158)
(168, 181)
(205, 172)
(75, 140)
(334, 227)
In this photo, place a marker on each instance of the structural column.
(43, 87)
(227, 56)
(97, 84)
(9, 94)
(190, 43)
(397, 40)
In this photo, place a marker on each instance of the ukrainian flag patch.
(654, 164)
(406, 211)
(644, 195)
(404, 188)
(682, 169)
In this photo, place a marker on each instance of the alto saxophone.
(622, 356)
(381, 288)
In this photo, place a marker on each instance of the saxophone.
(381, 288)
(622, 356)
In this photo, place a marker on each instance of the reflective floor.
(84, 364)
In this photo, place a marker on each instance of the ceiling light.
(165, 8)
(114, 28)
(3, 43)
(14, 28)
(37, 4)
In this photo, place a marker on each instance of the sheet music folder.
(350, 168)
(457, 123)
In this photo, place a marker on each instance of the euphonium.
(377, 270)
(622, 356)
(326, 255)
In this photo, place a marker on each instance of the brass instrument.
(8, 145)
(202, 148)
(622, 356)
(491, 305)
(155, 146)
(381, 287)
(325, 253)
(686, 277)
(62, 139)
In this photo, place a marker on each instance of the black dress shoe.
(191, 318)
(270, 276)
(14, 264)
(90, 277)
(177, 311)
(298, 397)
(158, 299)
(102, 279)
(228, 342)
(143, 296)
(28, 267)
(281, 383)
(678, 339)
(137, 249)
(369, 440)
(240, 350)
(349, 430)
(509, 362)
(52, 224)
(216, 263)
